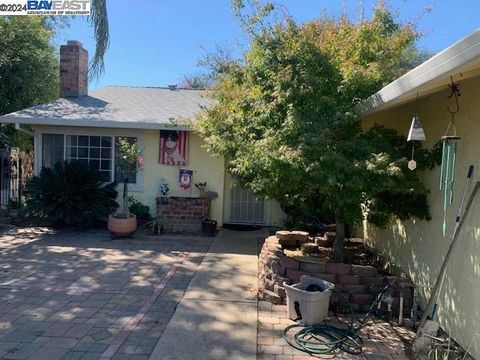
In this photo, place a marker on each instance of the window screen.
(52, 149)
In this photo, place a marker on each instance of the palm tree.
(99, 19)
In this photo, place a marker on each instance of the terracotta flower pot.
(122, 227)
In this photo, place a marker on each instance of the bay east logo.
(45, 7)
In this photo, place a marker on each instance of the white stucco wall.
(419, 247)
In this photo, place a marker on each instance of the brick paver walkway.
(382, 341)
(83, 296)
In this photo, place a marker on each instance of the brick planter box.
(360, 284)
(182, 214)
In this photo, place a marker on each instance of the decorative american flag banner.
(173, 147)
(185, 179)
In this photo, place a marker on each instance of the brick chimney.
(73, 70)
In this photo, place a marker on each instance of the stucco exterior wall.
(419, 247)
(206, 168)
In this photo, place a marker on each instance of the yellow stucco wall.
(419, 247)
(206, 167)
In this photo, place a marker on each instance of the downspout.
(19, 128)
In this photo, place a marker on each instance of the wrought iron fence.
(10, 176)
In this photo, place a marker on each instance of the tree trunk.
(339, 240)
(125, 197)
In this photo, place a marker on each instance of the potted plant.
(209, 226)
(129, 162)
(141, 211)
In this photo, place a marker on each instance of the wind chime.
(449, 154)
(416, 133)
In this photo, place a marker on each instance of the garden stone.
(323, 242)
(338, 268)
(313, 267)
(289, 262)
(330, 236)
(327, 277)
(310, 249)
(366, 271)
(301, 236)
(283, 235)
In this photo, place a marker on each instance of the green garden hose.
(323, 338)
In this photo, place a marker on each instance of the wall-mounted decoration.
(449, 154)
(164, 189)
(173, 147)
(185, 179)
(416, 133)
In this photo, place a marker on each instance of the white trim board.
(92, 123)
(461, 57)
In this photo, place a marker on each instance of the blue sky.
(156, 43)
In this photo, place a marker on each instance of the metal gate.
(10, 174)
(245, 208)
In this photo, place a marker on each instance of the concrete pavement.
(217, 318)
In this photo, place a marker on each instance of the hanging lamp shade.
(416, 130)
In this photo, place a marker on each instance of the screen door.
(245, 208)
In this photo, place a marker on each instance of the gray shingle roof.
(117, 106)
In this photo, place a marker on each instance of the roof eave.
(464, 54)
(92, 123)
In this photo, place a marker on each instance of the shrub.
(140, 210)
(70, 193)
(14, 204)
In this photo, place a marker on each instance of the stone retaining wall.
(359, 284)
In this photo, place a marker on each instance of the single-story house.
(84, 126)
(419, 247)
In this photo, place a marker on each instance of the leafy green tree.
(285, 118)
(369, 54)
(28, 68)
(195, 81)
(29, 63)
(128, 163)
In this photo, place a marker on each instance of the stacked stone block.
(360, 284)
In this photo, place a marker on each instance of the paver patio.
(75, 295)
(381, 340)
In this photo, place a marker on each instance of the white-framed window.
(98, 152)
(52, 149)
(92, 151)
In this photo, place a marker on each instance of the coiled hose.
(323, 338)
